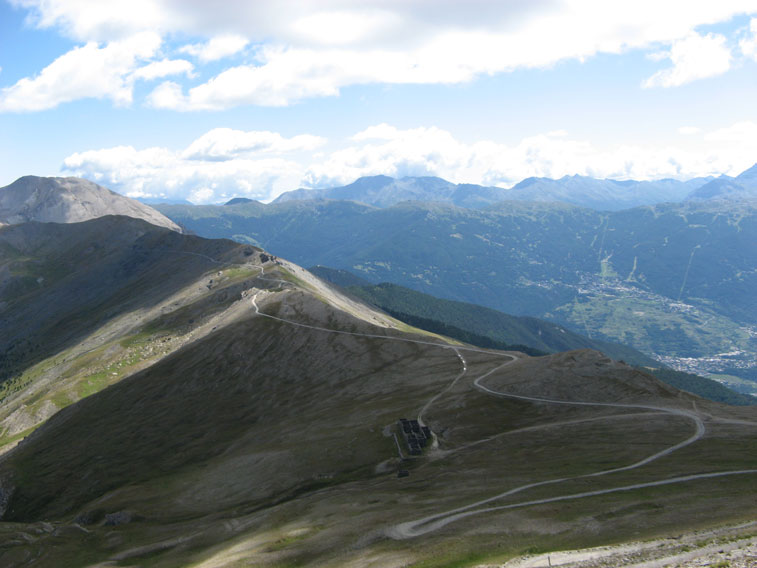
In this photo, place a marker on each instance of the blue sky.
(189, 99)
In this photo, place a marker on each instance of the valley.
(378, 284)
(707, 342)
(674, 281)
(266, 437)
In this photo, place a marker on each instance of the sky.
(204, 101)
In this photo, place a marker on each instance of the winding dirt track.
(437, 521)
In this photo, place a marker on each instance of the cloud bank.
(225, 163)
(290, 50)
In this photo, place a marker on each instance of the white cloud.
(741, 133)
(166, 95)
(225, 144)
(164, 68)
(218, 165)
(287, 76)
(224, 163)
(159, 172)
(314, 49)
(100, 21)
(385, 149)
(343, 27)
(89, 71)
(216, 48)
(748, 44)
(694, 57)
(453, 53)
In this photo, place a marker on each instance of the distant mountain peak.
(385, 191)
(527, 182)
(371, 180)
(749, 174)
(238, 201)
(69, 200)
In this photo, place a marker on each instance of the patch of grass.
(61, 399)
(137, 339)
(289, 277)
(606, 269)
(30, 375)
(97, 381)
(91, 384)
(471, 551)
(288, 540)
(5, 440)
(240, 272)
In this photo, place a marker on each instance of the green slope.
(674, 281)
(483, 322)
(704, 387)
(85, 305)
(269, 444)
(489, 328)
(265, 436)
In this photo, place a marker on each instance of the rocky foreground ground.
(728, 547)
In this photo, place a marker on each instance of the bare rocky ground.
(69, 200)
(725, 547)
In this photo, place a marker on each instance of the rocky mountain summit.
(743, 186)
(69, 200)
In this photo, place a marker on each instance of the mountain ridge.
(484, 327)
(537, 334)
(222, 405)
(582, 191)
(597, 272)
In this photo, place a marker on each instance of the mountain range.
(171, 400)
(178, 401)
(675, 281)
(582, 191)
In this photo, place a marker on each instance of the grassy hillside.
(266, 437)
(704, 387)
(674, 281)
(86, 304)
(270, 444)
(485, 327)
(508, 330)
